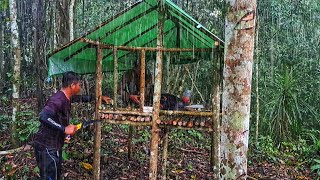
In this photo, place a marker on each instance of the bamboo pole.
(205, 129)
(142, 79)
(97, 138)
(128, 112)
(165, 153)
(162, 112)
(193, 113)
(127, 48)
(115, 78)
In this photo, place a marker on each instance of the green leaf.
(65, 156)
(315, 167)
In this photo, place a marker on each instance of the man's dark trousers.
(49, 162)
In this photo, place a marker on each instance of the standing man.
(54, 118)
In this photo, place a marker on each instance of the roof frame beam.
(126, 48)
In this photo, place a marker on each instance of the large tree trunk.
(39, 15)
(238, 60)
(16, 68)
(62, 22)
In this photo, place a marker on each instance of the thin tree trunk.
(2, 73)
(177, 77)
(257, 102)
(238, 60)
(167, 73)
(257, 86)
(180, 88)
(16, 68)
(215, 141)
(71, 21)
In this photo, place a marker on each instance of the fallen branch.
(190, 151)
(252, 178)
(19, 149)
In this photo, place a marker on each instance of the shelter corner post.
(156, 97)
(97, 137)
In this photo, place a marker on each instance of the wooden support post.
(115, 77)
(165, 153)
(130, 141)
(142, 78)
(156, 97)
(97, 137)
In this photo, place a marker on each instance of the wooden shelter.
(153, 29)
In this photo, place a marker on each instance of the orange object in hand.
(135, 98)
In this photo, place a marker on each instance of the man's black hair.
(69, 78)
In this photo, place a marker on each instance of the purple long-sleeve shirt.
(54, 117)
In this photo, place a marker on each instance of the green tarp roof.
(134, 27)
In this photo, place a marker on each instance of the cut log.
(116, 117)
(197, 122)
(147, 119)
(132, 118)
(101, 115)
(208, 124)
(202, 122)
(142, 119)
(190, 124)
(184, 122)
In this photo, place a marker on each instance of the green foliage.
(65, 154)
(4, 122)
(27, 124)
(265, 149)
(288, 66)
(143, 136)
(4, 5)
(316, 167)
(285, 118)
(294, 154)
(286, 112)
(190, 137)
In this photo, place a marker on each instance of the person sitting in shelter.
(129, 86)
(172, 102)
(129, 89)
